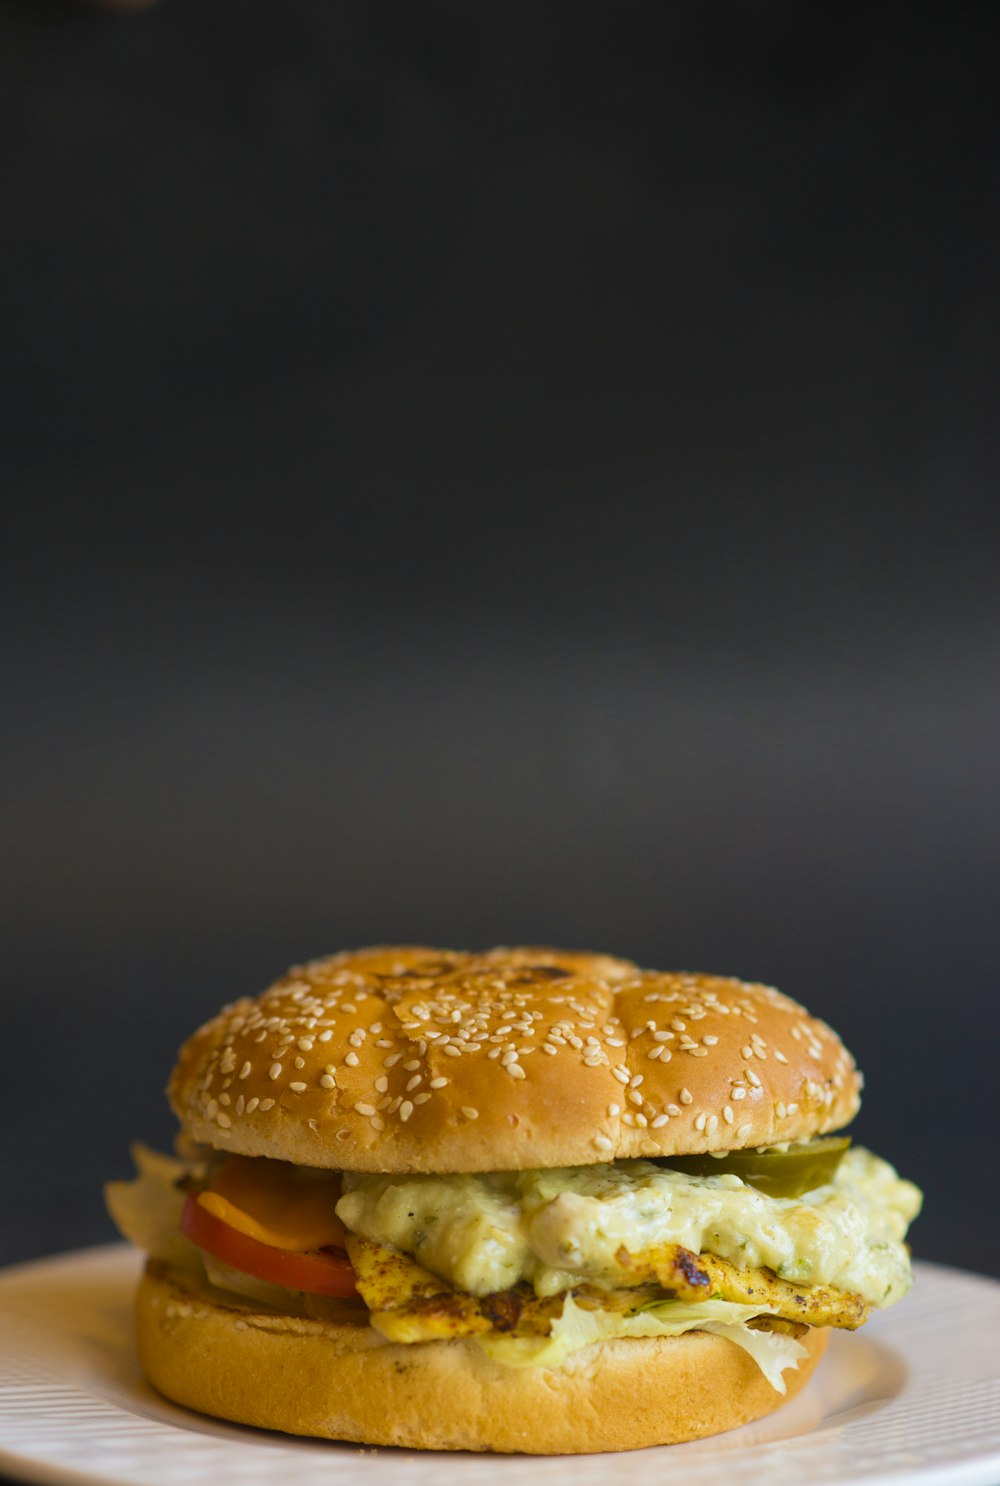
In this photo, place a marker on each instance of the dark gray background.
(486, 473)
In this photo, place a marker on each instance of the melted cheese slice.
(289, 1207)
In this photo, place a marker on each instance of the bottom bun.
(345, 1382)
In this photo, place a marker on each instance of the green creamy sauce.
(484, 1233)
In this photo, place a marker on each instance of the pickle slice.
(787, 1173)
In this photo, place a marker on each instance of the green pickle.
(778, 1173)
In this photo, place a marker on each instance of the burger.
(523, 1200)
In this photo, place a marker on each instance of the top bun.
(401, 1059)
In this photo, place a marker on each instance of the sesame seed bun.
(401, 1059)
(345, 1382)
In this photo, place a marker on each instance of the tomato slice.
(319, 1272)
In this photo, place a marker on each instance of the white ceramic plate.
(913, 1398)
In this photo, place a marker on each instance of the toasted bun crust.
(344, 1382)
(408, 1059)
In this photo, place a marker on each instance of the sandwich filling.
(556, 1228)
(535, 1265)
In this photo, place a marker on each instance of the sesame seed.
(405, 1109)
(351, 1059)
(516, 1071)
(225, 1099)
(635, 1096)
(697, 1052)
(413, 1083)
(739, 1092)
(437, 1083)
(603, 1143)
(753, 1078)
(383, 1042)
(304, 1044)
(779, 1055)
(746, 1051)
(713, 1124)
(548, 1048)
(640, 1119)
(620, 1074)
(274, 1071)
(659, 1121)
(678, 1025)
(422, 1098)
(392, 1060)
(252, 1104)
(614, 1109)
(298, 1087)
(700, 1122)
(300, 1062)
(744, 1131)
(325, 1035)
(452, 1050)
(376, 1028)
(655, 1052)
(245, 1070)
(377, 1122)
(636, 1080)
(780, 1109)
(727, 1113)
(365, 1109)
(469, 1112)
(663, 1037)
(328, 1082)
(686, 1097)
(673, 1110)
(709, 1041)
(412, 1065)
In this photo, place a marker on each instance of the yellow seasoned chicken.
(409, 1304)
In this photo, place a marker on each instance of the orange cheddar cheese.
(276, 1203)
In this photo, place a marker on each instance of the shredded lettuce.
(772, 1351)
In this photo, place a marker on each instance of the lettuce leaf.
(147, 1210)
(773, 1352)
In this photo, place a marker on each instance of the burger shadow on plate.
(857, 1377)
